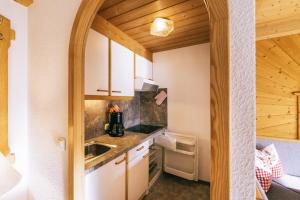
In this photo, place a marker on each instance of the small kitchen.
(147, 118)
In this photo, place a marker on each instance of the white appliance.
(182, 160)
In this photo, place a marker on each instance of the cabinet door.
(138, 176)
(143, 67)
(107, 182)
(96, 64)
(122, 70)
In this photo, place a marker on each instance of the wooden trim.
(97, 97)
(81, 26)
(298, 113)
(218, 10)
(258, 194)
(278, 139)
(219, 81)
(106, 28)
(24, 2)
(6, 35)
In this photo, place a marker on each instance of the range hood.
(142, 84)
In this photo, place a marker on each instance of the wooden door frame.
(219, 44)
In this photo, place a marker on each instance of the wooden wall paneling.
(25, 2)
(277, 77)
(284, 131)
(263, 97)
(278, 28)
(266, 121)
(274, 55)
(106, 28)
(6, 35)
(290, 45)
(277, 18)
(186, 9)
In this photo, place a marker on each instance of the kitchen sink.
(95, 149)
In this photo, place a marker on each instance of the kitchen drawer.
(138, 150)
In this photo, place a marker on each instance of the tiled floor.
(169, 187)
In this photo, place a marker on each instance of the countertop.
(124, 144)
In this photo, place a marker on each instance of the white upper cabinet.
(97, 64)
(143, 68)
(122, 70)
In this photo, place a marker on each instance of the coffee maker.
(116, 127)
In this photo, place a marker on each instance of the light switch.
(62, 143)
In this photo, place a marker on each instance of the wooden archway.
(219, 41)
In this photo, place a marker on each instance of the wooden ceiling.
(276, 18)
(134, 17)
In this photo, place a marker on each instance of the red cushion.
(263, 170)
(273, 160)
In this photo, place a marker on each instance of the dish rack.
(182, 161)
(155, 163)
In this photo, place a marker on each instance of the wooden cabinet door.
(122, 70)
(138, 176)
(97, 64)
(143, 68)
(107, 182)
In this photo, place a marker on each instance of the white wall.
(17, 97)
(242, 99)
(186, 74)
(50, 24)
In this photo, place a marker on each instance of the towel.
(166, 141)
(160, 97)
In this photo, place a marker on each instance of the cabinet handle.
(99, 90)
(139, 149)
(119, 162)
(116, 91)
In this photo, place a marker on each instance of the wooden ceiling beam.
(180, 40)
(104, 27)
(185, 43)
(278, 28)
(24, 2)
(176, 37)
(180, 11)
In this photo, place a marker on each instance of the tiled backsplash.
(141, 109)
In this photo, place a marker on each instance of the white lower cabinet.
(107, 182)
(138, 175)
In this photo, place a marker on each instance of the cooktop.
(142, 128)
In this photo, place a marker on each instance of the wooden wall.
(278, 75)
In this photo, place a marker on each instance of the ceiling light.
(161, 27)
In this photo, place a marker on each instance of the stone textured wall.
(141, 109)
(242, 99)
